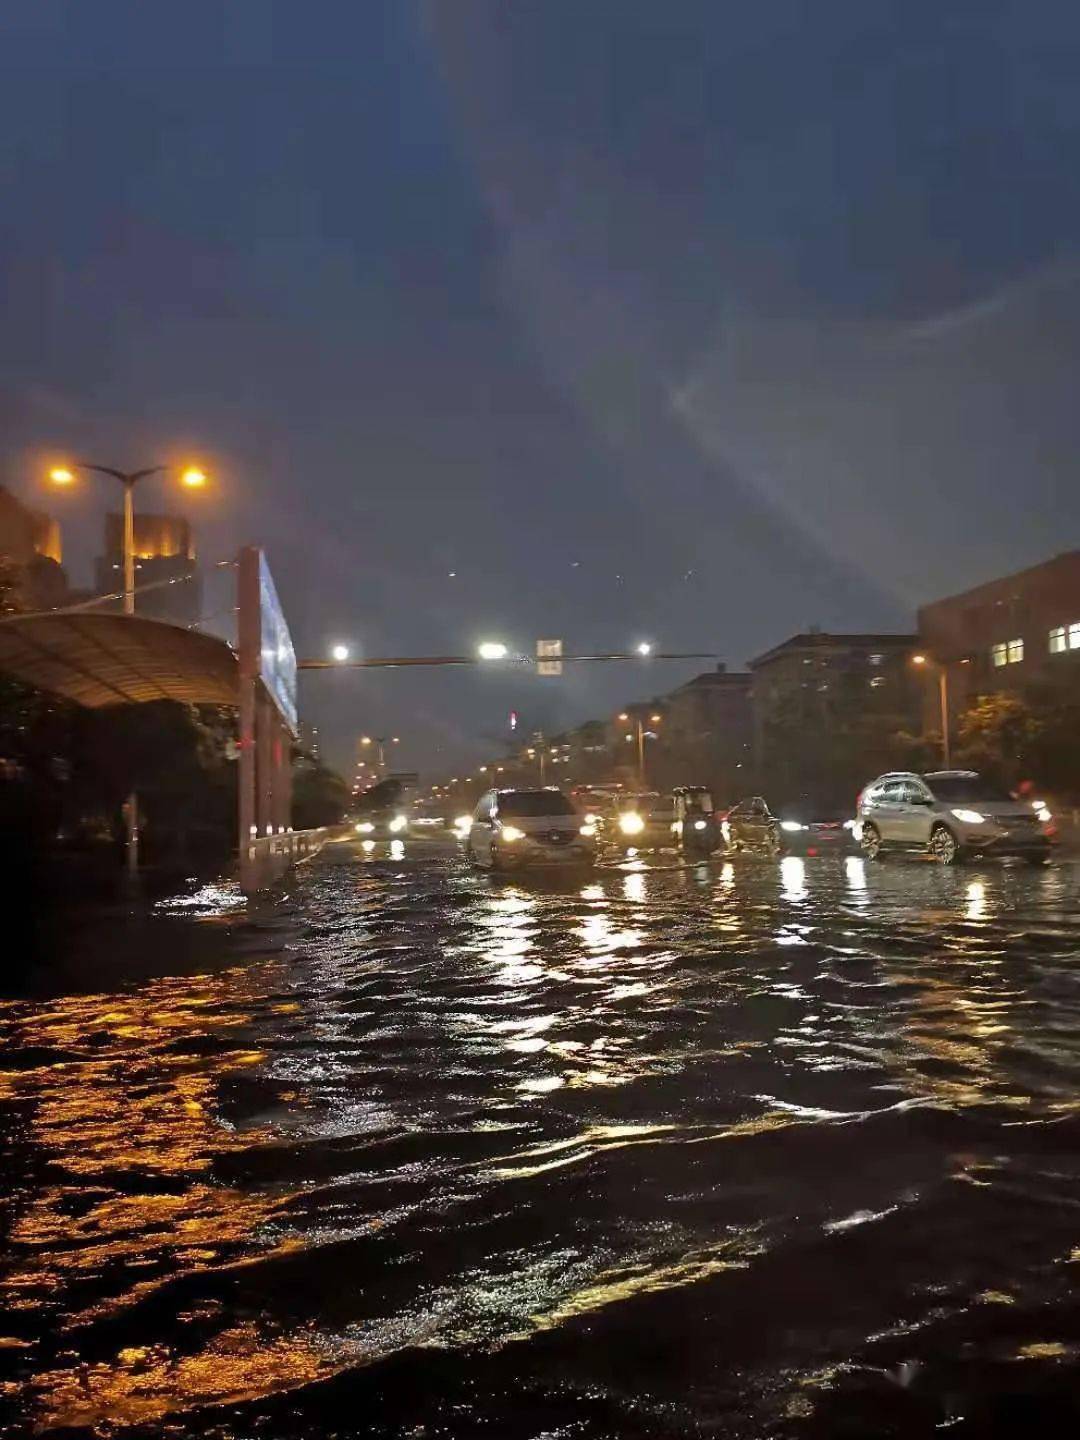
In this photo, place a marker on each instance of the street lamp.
(192, 477)
(942, 667)
(381, 741)
(492, 650)
(639, 733)
(645, 648)
(340, 653)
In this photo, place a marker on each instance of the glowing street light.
(645, 648)
(64, 475)
(340, 653)
(492, 650)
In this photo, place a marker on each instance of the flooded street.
(746, 1149)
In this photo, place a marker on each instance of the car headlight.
(970, 817)
(510, 833)
(463, 822)
(398, 823)
(1042, 812)
(365, 827)
(588, 830)
(590, 819)
(700, 825)
(793, 825)
(631, 823)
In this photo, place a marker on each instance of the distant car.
(809, 827)
(429, 815)
(515, 828)
(950, 814)
(751, 826)
(389, 822)
(641, 822)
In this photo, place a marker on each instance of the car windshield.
(965, 788)
(535, 802)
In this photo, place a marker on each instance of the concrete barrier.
(266, 858)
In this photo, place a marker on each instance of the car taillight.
(858, 801)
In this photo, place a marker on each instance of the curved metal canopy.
(99, 660)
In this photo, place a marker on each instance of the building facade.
(164, 560)
(826, 706)
(30, 546)
(708, 727)
(1010, 633)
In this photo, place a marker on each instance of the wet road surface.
(750, 1149)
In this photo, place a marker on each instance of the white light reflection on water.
(793, 877)
(212, 899)
(397, 849)
(855, 874)
(975, 909)
(508, 919)
(634, 888)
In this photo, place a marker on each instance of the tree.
(999, 736)
(320, 796)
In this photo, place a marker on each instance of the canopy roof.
(99, 660)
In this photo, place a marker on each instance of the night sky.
(698, 322)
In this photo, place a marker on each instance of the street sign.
(549, 657)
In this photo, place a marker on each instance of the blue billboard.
(278, 658)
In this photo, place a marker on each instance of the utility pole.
(194, 479)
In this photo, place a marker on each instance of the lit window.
(999, 654)
(876, 681)
(1016, 651)
(1057, 640)
(1074, 636)
(876, 659)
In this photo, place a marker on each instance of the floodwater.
(751, 1149)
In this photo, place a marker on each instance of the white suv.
(951, 814)
(529, 827)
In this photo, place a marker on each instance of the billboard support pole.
(250, 642)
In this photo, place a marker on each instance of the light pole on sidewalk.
(381, 741)
(194, 479)
(942, 667)
(641, 733)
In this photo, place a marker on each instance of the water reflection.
(455, 1112)
(793, 877)
(855, 874)
(976, 900)
(123, 1114)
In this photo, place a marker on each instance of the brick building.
(1009, 633)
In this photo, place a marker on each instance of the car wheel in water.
(870, 841)
(944, 846)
